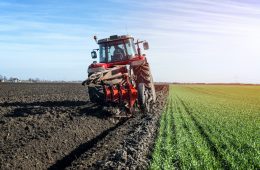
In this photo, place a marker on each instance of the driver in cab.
(118, 54)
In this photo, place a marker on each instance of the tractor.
(122, 78)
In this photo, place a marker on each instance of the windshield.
(117, 51)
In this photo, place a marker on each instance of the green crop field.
(209, 127)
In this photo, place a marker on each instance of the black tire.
(143, 73)
(142, 97)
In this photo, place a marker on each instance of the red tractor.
(122, 79)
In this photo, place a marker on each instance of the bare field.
(54, 126)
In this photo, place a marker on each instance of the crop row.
(209, 127)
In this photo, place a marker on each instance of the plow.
(121, 81)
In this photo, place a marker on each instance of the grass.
(209, 127)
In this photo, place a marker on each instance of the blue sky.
(190, 40)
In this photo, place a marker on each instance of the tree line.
(15, 79)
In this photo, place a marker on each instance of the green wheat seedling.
(209, 127)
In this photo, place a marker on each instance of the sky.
(190, 40)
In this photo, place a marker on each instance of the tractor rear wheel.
(143, 97)
(144, 76)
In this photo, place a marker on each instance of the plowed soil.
(54, 126)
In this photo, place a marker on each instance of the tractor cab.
(115, 49)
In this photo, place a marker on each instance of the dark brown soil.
(54, 126)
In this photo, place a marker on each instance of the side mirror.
(146, 45)
(95, 38)
(94, 54)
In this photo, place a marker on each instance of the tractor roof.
(114, 38)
